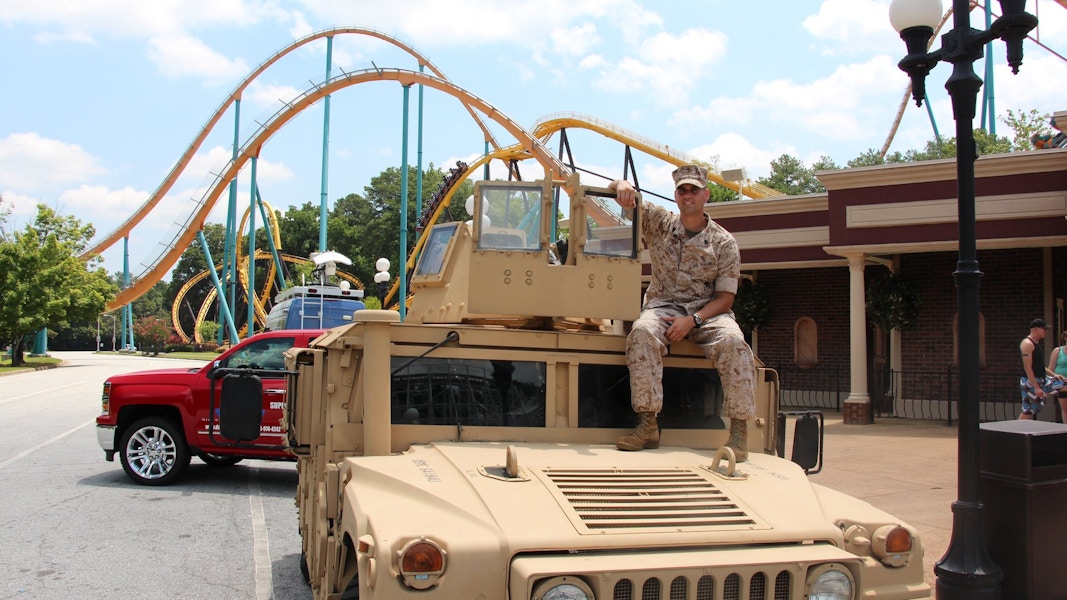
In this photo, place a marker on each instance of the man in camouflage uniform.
(695, 271)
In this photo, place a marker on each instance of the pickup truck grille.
(628, 499)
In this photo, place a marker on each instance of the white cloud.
(736, 151)
(835, 107)
(186, 56)
(30, 163)
(665, 65)
(268, 95)
(107, 206)
(849, 26)
(575, 41)
(132, 18)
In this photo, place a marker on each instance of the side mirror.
(807, 439)
(241, 407)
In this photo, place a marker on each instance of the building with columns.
(816, 254)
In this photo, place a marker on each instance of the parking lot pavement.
(902, 466)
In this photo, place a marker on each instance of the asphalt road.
(74, 526)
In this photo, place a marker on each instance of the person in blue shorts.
(1035, 385)
(1057, 364)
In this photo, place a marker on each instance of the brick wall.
(1010, 296)
(819, 293)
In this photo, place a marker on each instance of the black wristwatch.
(697, 319)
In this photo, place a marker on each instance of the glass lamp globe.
(904, 14)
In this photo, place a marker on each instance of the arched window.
(805, 343)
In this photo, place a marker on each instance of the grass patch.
(28, 363)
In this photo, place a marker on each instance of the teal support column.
(989, 109)
(270, 243)
(323, 214)
(485, 168)
(250, 292)
(127, 311)
(418, 155)
(229, 253)
(402, 270)
(227, 316)
(40, 342)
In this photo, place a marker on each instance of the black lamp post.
(966, 571)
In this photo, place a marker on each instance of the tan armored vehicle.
(469, 451)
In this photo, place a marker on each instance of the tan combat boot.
(645, 435)
(738, 441)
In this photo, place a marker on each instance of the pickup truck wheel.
(218, 460)
(153, 452)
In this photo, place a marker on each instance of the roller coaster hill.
(248, 281)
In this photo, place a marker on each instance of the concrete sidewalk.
(902, 466)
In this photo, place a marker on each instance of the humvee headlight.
(563, 588)
(892, 545)
(421, 562)
(830, 582)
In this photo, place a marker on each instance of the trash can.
(1023, 488)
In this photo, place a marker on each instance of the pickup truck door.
(264, 353)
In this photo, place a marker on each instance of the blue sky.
(101, 97)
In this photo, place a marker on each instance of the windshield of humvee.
(511, 393)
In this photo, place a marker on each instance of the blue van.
(314, 307)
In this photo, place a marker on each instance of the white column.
(857, 323)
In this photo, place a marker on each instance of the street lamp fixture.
(966, 571)
(382, 279)
(114, 325)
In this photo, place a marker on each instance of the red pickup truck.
(157, 420)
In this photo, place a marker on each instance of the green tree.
(1027, 125)
(367, 227)
(893, 301)
(44, 283)
(299, 228)
(790, 176)
(753, 306)
(191, 264)
(152, 333)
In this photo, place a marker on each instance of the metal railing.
(928, 395)
(816, 387)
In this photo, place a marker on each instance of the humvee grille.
(679, 586)
(624, 499)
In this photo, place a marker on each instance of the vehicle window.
(445, 391)
(692, 398)
(261, 354)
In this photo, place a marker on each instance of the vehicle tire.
(153, 452)
(218, 460)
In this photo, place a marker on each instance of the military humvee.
(468, 451)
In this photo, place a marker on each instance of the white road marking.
(52, 389)
(260, 541)
(29, 451)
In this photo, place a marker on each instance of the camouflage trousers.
(723, 344)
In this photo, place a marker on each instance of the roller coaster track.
(179, 167)
(527, 145)
(549, 125)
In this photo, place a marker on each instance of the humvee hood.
(573, 497)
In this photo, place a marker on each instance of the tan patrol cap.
(690, 174)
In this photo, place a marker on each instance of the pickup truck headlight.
(105, 398)
(830, 582)
(563, 588)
